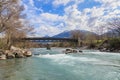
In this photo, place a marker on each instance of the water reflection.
(8, 68)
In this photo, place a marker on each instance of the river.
(55, 65)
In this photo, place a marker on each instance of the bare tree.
(12, 21)
(77, 34)
(4, 10)
(114, 25)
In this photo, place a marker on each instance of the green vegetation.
(114, 43)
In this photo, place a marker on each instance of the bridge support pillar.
(48, 47)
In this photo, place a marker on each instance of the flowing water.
(55, 65)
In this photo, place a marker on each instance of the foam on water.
(101, 53)
(71, 60)
(68, 59)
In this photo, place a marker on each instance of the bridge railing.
(50, 39)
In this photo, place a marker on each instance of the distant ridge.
(67, 34)
(46, 36)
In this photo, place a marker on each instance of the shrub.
(114, 43)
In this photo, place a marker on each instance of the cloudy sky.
(51, 17)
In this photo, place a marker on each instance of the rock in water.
(28, 53)
(74, 51)
(68, 51)
(18, 54)
(80, 51)
(2, 55)
(14, 48)
(48, 47)
(9, 54)
(15, 52)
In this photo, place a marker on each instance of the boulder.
(68, 51)
(28, 53)
(15, 52)
(1, 52)
(14, 48)
(9, 54)
(2, 55)
(74, 51)
(80, 51)
(18, 54)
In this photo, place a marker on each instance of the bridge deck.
(50, 39)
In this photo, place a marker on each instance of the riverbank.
(14, 52)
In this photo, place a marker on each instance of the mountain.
(67, 34)
(46, 36)
(112, 33)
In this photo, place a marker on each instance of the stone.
(18, 54)
(68, 51)
(74, 51)
(1, 52)
(28, 53)
(48, 47)
(14, 48)
(2, 55)
(15, 52)
(10, 56)
(80, 51)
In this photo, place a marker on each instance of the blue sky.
(51, 17)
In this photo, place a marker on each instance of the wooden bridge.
(49, 39)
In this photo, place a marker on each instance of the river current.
(55, 65)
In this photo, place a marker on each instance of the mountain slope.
(67, 34)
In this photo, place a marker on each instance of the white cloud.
(109, 3)
(50, 17)
(31, 2)
(47, 30)
(65, 2)
(87, 19)
(48, 24)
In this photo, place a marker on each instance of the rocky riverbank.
(112, 45)
(14, 52)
